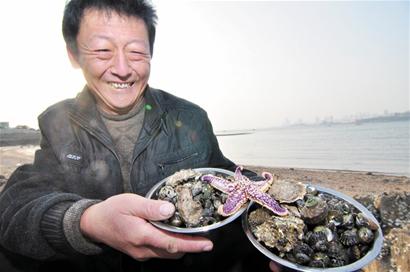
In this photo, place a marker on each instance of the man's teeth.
(120, 85)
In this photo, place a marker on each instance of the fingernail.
(167, 209)
(208, 247)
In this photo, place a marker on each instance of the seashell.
(286, 191)
(302, 253)
(354, 253)
(363, 221)
(335, 250)
(208, 220)
(365, 235)
(257, 217)
(311, 190)
(181, 176)
(319, 259)
(325, 230)
(348, 221)
(190, 209)
(280, 232)
(314, 210)
(196, 188)
(336, 262)
(207, 191)
(176, 220)
(349, 237)
(167, 192)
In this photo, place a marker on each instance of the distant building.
(4, 125)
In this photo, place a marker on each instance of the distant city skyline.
(248, 64)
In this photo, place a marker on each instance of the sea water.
(374, 147)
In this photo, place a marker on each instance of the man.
(80, 205)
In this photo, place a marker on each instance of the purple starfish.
(242, 189)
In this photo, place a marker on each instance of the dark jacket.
(77, 161)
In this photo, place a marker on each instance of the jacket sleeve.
(33, 205)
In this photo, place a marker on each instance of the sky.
(248, 64)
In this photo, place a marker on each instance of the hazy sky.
(249, 64)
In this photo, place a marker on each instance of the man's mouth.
(121, 85)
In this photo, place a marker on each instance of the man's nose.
(121, 66)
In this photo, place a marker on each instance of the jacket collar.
(84, 111)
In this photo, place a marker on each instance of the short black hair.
(74, 11)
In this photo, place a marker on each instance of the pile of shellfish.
(196, 202)
(320, 229)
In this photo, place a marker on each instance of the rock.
(393, 212)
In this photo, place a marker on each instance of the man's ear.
(73, 57)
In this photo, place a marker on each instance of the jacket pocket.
(185, 158)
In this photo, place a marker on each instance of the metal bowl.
(371, 254)
(213, 171)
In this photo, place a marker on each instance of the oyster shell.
(189, 209)
(181, 176)
(280, 232)
(286, 191)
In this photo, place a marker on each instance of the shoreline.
(350, 182)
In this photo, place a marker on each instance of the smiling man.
(80, 205)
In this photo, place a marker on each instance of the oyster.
(190, 209)
(286, 191)
(181, 176)
(280, 232)
(257, 217)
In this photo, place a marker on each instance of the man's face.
(114, 55)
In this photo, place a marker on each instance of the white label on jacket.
(73, 157)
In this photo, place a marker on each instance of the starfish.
(241, 190)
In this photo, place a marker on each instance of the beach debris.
(327, 231)
(241, 189)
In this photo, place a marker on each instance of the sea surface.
(374, 147)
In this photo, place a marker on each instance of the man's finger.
(151, 209)
(274, 267)
(172, 242)
(145, 253)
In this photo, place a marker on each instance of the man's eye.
(102, 50)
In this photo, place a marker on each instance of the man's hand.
(274, 267)
(121, 222)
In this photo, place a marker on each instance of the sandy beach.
(387, 196)
(353, 183)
